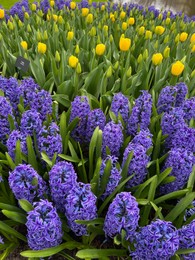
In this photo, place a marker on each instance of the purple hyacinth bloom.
(80, 204)
(181, 161)
(120, 104)
(189, 109)
(30, 122)
(112, 138)
(26, 183)
(141, 113)
(159, 240)
(182, 91)
(62, 178)
(138, 164)
(114, 178)
(49, 140)
(44, 227)
(1, 240)
(5, 110)
(123, 213)
(12, 141)
(190, 211)
(80, 108)
(42, 103)
(186, 239)
(19, 8)
(144, 138)
(95, 118)
(45, 6)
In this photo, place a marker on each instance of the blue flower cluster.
(120, 104)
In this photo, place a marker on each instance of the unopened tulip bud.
(77, 50)
(78, 68)
(57, 56)
(192, 75)
(166, 39)
(116, 65)
(145, 54)
(129, 72)
(140, 58)
(166, 52)
(177, 38)
(92, 31)
(109, 72)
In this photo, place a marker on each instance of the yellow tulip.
(157, 59)
(192, 39)
(24, 45)
(124, 44)
(141, 30)
(57, 56)
(193, 48)
(60, 19)
(89, 18)
(33, 7)
(42, 47)
(122, 15)
(26, 15)
(100, 49)
(159, 30)
(103, 7)
(124, 26)
(85, 11)
(52, 3)
(55, 17)
(183, 37)
(177, 68)
(105, 28)
(70, 35)
(73, 5)
(73, 61)
(167, 21)
(2, 13)
(131, 21)
(166, 52)
(148, 34)
(77, 49)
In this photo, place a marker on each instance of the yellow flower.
(192, 39)
(131, 21)
(105, 28)
(26, 15)
(73, 61)
(159, 30)
(141, 30)
(10, 25)
(2, 13)
(24, 45)
(77, 49)
(60, 19)
(148, 34)
(89, 18)
(177, 68)
(193, 48)
(103, 7)
(52, 3)
(124, 26)
(124, 44)
(167, 21)
(157, 59)
(73, 5)
(85, 11)
(55, 17)
(166, 52)
(92, 31)
(33, 7)
(42, 47)
(183, 36)
(70, 35)
(122, 15)
(100, 49)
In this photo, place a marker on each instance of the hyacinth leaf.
(168, 179)
(157, 146)
(191, 180)
(38, 71)
(82, 164)
(11, 231)
(158, 211)
(162, 176)
(10, 207)
(10, 248)
(63, 127)
(31, 154)
(125, 168)
(73, 124)
(98, 145)
(10, 161)
(16, 216)
(180, 207)
(143, 202)
(45, 158)
(11, 122)
(72, 150)
(69, 158)
(91, 222)
(185, 251)
(25, 205)
(97, 253)
(172, 195)
(18, 154)
(92, 147)
(105, 177)
(142, 186)
(62, 99)
(95, 180)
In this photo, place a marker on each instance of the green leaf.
(63, 128)
(185, 251)
(191, 180)
(91, 222)
(69, 158)
(163, 175)
(16, 216)
(126, 166)
(10, 161)
(105, 177)
(97, 253)
(32, 160)
(10, 207)
(11, 231)
(62, 99)
(46, 159)
(92, 147)
(11, 122)
(142, 186)
(95, 180)
(172, 195)
(156, 151)
(25, 205)
(18, 154)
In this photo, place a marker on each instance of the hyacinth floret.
(62, 178)
(120, 104)
(122, 214)
(159, 240)
(44, 227)
(26, 183)
(189, 109)
(114, 178)
(80, 108)
(80, 205)
(182, 91)
(141, 113)
(112, 138)
(95, 118)
(181, 161)
(30, 122)
(144, 138)
(18, 9)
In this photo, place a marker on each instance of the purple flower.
(30, 122)
(120, 104)
(80, 204)
(159, 240)
(19, 8)
(49, 140)
(42, 103)
(112, 138)
(26, 183)
(95, 118)
(80, 108)
(189, 109)
(190, 211)
(186, 239)
(182, 91)
(181, 161)
(1, 240)
(138, 164)
(115, 175)
(123, 213)
(44, 227)
(141, 113)
(62, 178)
(12, 140)
(143, 138)
(45, 6)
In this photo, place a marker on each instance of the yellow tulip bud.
(105, 28)
(45, 35)
(20, 23)
(112, 17)
(25, 56)
(24, 45)
(2, 13)
(73, 61)
(160, 16)
(124, 44)
(177, 68)
(166, 52)
(29, 28)
(10, 25)
(192, 74)
(70, 35)
(122, 15)
(173, 26)
(77, 49)
(145, 54)
(131, 21)
(111, 38)
(192, 39)
(92, 31)
(55, 28)
(177, 38)
(103, 7)
(148, 34)
(48, 17)
(78, 68)
(193, 48)
(55, 17)
(140, 58)
(166, 39)
(33, 7)
(39, 36)
(157, 59)
(57, 56)
(156, 44)
(100, 49)
(159, 30)
(52, 3)
(116, 65)
(85, 11)
(141, 30)
(167, 21)
(73, 5)
(89, 18)
(109, 72)
(129, 72)
(124, 26)
(26, 15)
(183, 36)
(60, 19)
(42, 47)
